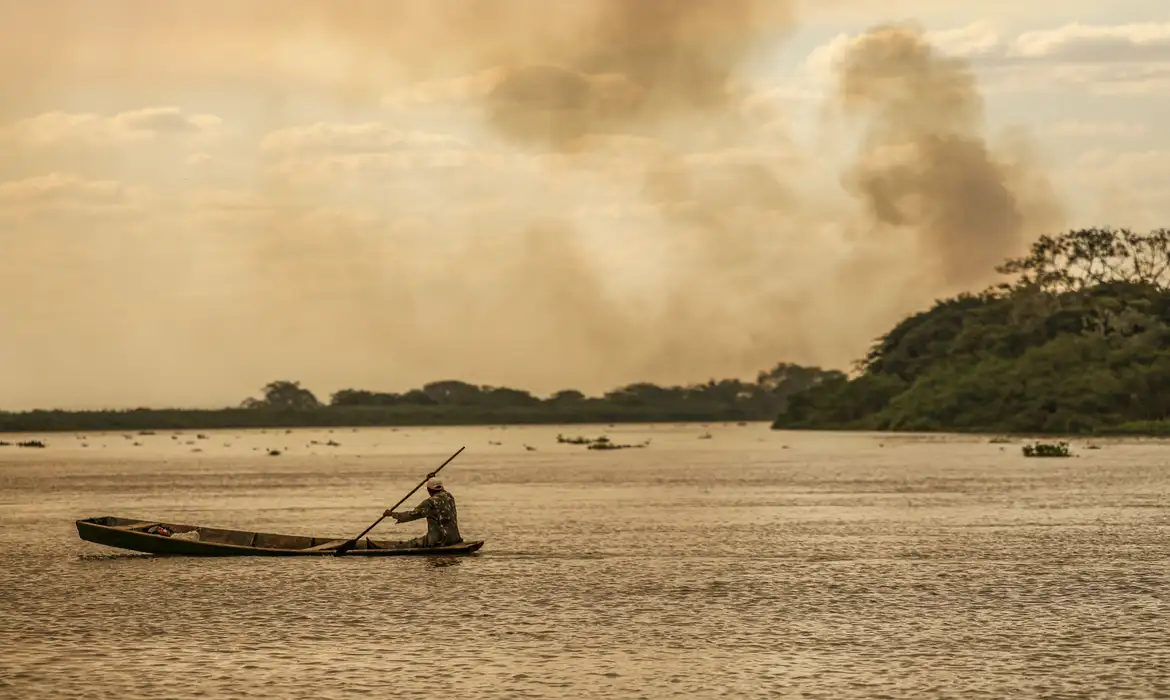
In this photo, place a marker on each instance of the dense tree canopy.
(1077, 341)
(759, 400)
(284, 395)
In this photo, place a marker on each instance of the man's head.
(434, 486)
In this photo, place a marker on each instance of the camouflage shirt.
(442, 520)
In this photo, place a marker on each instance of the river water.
(751, 564)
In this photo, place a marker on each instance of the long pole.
(353, 543)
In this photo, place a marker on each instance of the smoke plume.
(518, 192)
(926, 166)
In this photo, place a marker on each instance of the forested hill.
(1077, 342)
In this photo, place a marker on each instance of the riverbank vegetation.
(1076, 342)
(287, 404)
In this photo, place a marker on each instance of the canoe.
(199, 541)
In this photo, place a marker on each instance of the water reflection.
(443, 562)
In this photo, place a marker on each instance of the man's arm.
(420, 511)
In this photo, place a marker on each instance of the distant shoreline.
(60, 421)
(65, 421)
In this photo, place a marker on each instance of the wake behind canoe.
(154, 537)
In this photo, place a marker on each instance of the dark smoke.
(926, 166)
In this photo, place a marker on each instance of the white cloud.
(1096, 79)
(445, 92)
(1141, 165)
(980, 38)
(228, 200)
(44, 198)
(370, 137)
(334, 167)
(52, 128)
(56, 188)
(1075, 128)
(1105, 59)
(1148, 41)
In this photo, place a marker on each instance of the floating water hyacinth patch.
(1043, 449)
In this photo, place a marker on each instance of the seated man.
(442, 520)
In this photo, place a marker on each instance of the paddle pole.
(353, 543)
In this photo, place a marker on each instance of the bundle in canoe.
(199, 541)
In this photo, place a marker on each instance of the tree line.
(760, 399)
(1076, 340)
(286, 403)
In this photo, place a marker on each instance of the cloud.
(152, 123)
(452, 91)
(1076, 128)
(981, 38)
(1138, 42)
(927, 166)
(1123, 187)
(1149, 165)
(59, 190)
(220, 199)
(370, 137)
(196, 160)
(1107, 59)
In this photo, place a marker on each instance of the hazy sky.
(199, 197)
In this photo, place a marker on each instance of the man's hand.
(391, 514)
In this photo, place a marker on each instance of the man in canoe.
(442, 520)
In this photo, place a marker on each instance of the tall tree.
(285, 395)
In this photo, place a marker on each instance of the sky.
(197, 198)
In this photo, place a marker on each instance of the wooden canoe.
(198, 541)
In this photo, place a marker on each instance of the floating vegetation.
(273, 453)
(579, 440)
(5, 444)
(146, 432)
(601, 443)
(604, 443)
(607, 445)
(30, 443)
(1092, 447)
(1044, 449)
(200, 436)
(333, 443)
(1000, 440)
(705, 436)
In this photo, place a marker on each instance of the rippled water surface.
(751, 564)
